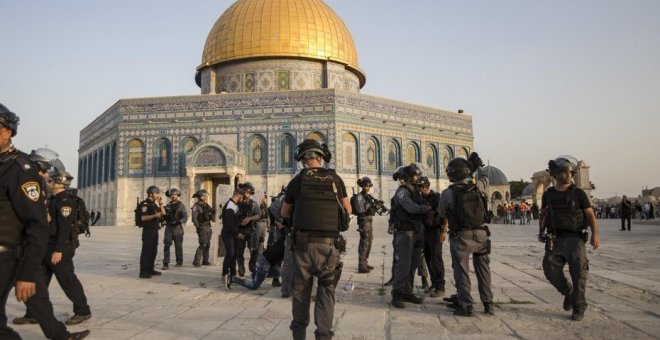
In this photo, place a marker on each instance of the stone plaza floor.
(191, 303)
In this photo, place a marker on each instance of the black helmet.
(364, 181)
(172, 191)
(200, 193)
(248, 187)
(60, 176)
(9, 120)
(458, 169)
(44, 158)
(397, 174)
(560, 165)
(423, 182)
(410, 171)
(153, 190)
(311, 145)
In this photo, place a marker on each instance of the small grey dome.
(527, 190)
(495, 176)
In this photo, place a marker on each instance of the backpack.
(357, 204)
(81, 224)
(470, 204)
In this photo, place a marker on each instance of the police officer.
(230, 228)
(202, 216)
(24, 234)
(151, 212)
(569, 213)
(315, 199)
(463, 209)
(432, 239)
(408, 236)
(258, 237)
(174, 220)
(249, 213)
(366, 209)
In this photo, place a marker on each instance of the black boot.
(276, 282)
(425, 283)
(460, 311)
(488, 308)
(412, 298)
(397, 301)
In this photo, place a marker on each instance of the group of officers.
(307, 220)
(37, 237)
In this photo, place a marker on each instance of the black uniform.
(24, 234)
(246, 209)
(202, 216)
(432, 243)
(149, 237)
(568, 223)
(408, 238)
(230, 224)
(365, 227)
(315, 195)
(175, 219)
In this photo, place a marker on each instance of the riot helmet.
(172, 191)
(559, 165)
(60, 176)
(458, 169)
(397, 174)
(364, 181)
(309, 147)
(248, 188)
(153, 190)
(200, 193)
(9, 120)
(44, 158)
(409, 171)
(423, 182)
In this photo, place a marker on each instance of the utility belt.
(454, 231)
(584, 234)
(16, 250)
(301, 239)
(176, 224)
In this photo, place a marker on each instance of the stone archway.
(541, 180)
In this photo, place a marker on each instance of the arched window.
(317, 136)
(163, 157)
(287, 152)
(463, 153)
(349, 149)
(187, 145)
(373, 155)
(447, 155)
(431, 159)
(257, 154)
(412, 153)
(135, 157)
(113, 162)
(210, 156)
(393, 155)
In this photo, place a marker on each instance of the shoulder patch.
(144, 208)
(401, 194)
(66, 211)
(31, 190)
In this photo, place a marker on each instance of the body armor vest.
(207, 213)
(317, 209)
(566, 215)
(172, 217)
(11, 228)
(469, 208)
(404, 219)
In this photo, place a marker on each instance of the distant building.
(499, 190)
(270, 76)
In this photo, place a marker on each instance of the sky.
(539, 78)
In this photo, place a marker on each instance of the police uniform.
(365, 213)
(202, 216)
(149, 237)
(464, 241)
(258, 237)
(568, 223)
(246, 209)
(433, 245)
(408, 240)
(175, 219)
(24, 234)
(315, 194)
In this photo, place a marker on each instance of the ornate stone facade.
(252, 136)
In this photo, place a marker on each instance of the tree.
(517, 187)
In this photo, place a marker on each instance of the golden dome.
(281, 28)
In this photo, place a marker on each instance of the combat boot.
(451, 299)
(489, 308)
(460, 311)
(412, 298)
(166, 267)
(78, 335)
(568, 305)
(276, 282)
(437, 293)
(397, 301)
(370, 267)
(24, 320)
(363, 270)
(577, 316)
(425, 282)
